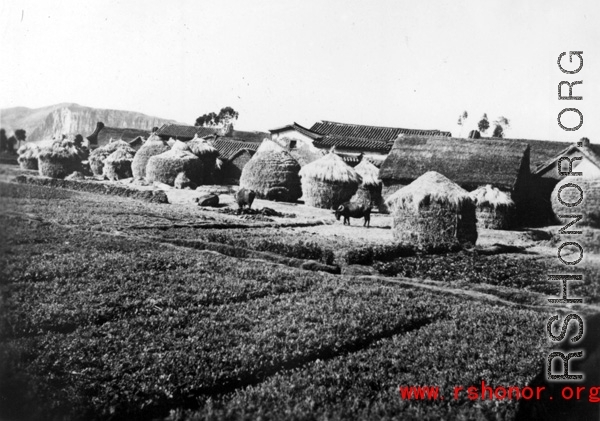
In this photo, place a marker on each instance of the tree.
(461, 120)
(501, 125)
(215, 120)
(483, 124)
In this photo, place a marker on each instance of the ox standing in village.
(354, 210)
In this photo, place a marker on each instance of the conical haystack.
(153, 146)
(99, 155)
(494, 208)
(208, 154)
(433, 214)
(28, 156)
(118, 164)
(328, 182)
(272, 173)
(369, 190)
(165, 167)
(583, 194)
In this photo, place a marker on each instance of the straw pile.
(369, 191)
(494, 208)
(272, 173)
(118, 164)
(99, 155)
(166, 166)
(28, 156)
(433, 214)
(328, 182)
(183, 182)
(61, 158)
(153, 146)
(589, 207)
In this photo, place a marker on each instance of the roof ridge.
(379, 127)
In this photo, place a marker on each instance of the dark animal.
(354, 210)
(245, 197)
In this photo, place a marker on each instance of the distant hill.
(67, 118)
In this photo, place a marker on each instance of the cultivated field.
(117, 308)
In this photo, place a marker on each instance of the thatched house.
(433, 213)
(494, 208)
(153, 146)
(272, 173)
(470, 163)
(118, 164)
(104, 135)
(369, 190)
(328, 182)
(28, 156)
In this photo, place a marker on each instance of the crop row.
(503, 347)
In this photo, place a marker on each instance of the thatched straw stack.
(99, 155)
(328, 182)
(209, 155)
(153, 146)
(369, 191)
(166, 166)
(589, 207)
(118, 164)
(60, 159)
(494, 208)
(433, 214)
(28, 156)
(272, 174)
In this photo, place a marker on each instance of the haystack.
(153, 146)
(208, 154)
(60, 159)
(272, 173)
(433, 213)
(165, 167)
(369, 191)
(28, 156)
(328, 182)
(588, 208)
(118, 164)
(494, 208)
(99, 155)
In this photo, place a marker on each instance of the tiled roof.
(300, 129)
(591, 152)
(358, 144)
(369, 132)
(228, 147)
(181, 132)
(115, 133)
(256, 137)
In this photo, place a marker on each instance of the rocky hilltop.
(67, 118)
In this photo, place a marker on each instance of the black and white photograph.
(299, 210)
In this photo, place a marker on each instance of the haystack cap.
(430, 187)
(491, 196)
(331, 168)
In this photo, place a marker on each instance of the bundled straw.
(369, 191)
(494, 208)
(60, 159)
(433, 213)
(28, 156)
(99, 155)
(272, 173)
(328, 182)
(153, 146)
(165, 167)
(588, 208)
(207, 153)
(118, 164)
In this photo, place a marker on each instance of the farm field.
(116, 308)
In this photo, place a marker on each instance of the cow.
(354, 210)
(245, 197)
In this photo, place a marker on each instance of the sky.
(411, 64)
